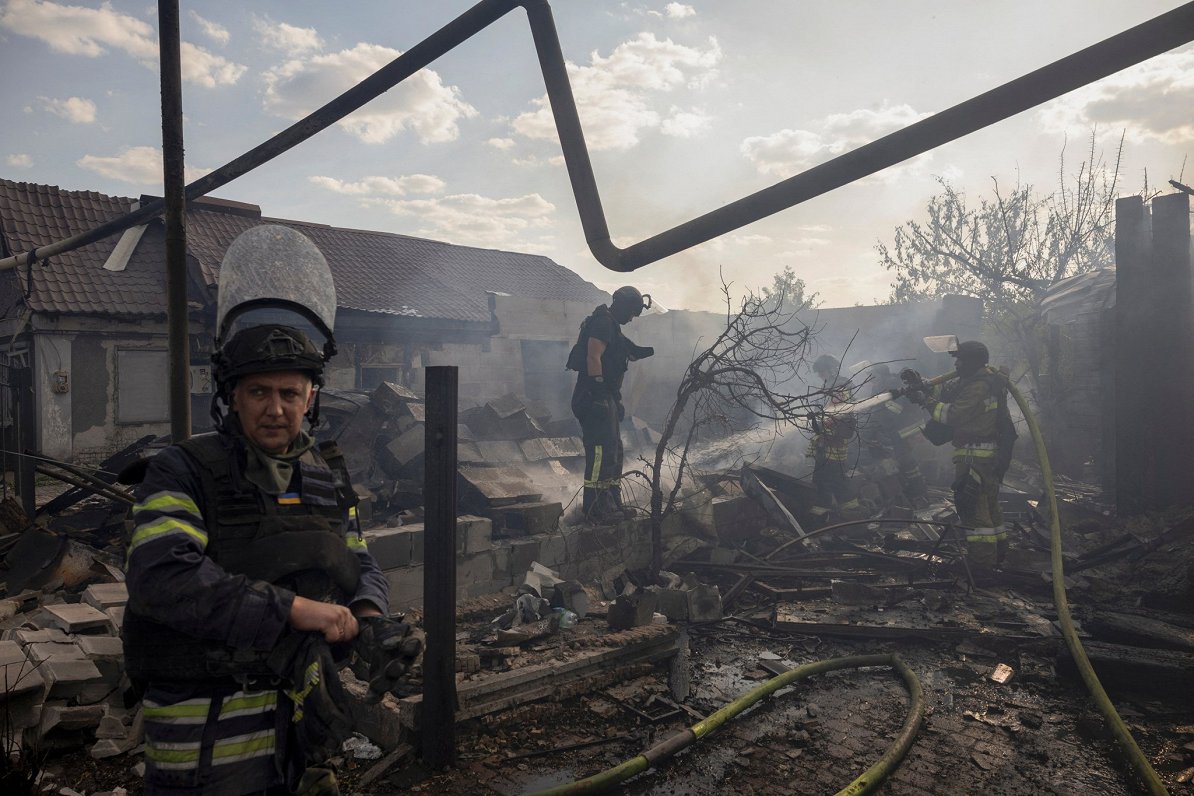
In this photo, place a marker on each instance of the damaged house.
(91, 323)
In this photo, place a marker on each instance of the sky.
(685, 106)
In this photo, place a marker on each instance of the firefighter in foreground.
(830, 445)
(971, 412)
(600, 357)
(249, 579)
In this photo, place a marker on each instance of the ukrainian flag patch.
(289, 499)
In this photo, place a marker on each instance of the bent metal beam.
(1125, 49)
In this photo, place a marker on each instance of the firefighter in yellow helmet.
(971, 412)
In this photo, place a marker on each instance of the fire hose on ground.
(895, 752)
(866, 782)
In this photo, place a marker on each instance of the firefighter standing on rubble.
(830, 445)
(600, 357)
(971, 412)
(249, 579)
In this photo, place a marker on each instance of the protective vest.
(619, 352)
(299, 545)
(994, 429)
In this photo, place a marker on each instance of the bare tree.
(750, 370)
(1008, 251)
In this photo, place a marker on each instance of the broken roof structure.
(379, 273)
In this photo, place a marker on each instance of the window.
(141, 386)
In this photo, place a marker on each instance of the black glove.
(917, 397)
(385, 650)
(312, 681)
(909, 376)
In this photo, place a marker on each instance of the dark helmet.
(628, 303)
(826, 365)
(266, 348)
(972, 352)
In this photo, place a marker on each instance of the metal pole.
(174, 183)
(437, 723)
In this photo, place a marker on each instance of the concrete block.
(107, 653)
(103, 596)
(69, 679)
(78, 618)
(417, 536)
(704, 603)
(100, 646)
(473, 534)
(8, 609)
(523, 552)
(673, 603)
(632, 610)
(526, 519)
(57, 650)
(116, 617)
(60, 716)
(24, 635)
(111, 727)
(18, 675)
(553, 550)
(406, 587)
(475, 568)
(389, 546)
(407, 447)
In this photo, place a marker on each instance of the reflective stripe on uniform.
(985, 535)
(977, 450)
(243, 747)
(244, 704)
(164, 527)
(910, 431)
(940, 412)
(190, 711)
(356, 543)
(892, 406)
(168, 503)
(592, 481)
(173, 756)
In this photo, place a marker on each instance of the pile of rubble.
(63, 667)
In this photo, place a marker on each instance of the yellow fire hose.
(886, 764)
(863, 784)
(1120, 730)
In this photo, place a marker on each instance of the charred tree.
(749, 371)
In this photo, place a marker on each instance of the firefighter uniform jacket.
(203, 613)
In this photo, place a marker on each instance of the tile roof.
(374, 272)
(34, 215)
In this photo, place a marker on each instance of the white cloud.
(421, 103)
(93, 32)
(213, 31)
(19, 161)
(685, 124)
(287, 38)
(74, 109)
(138, 165)
(383, 186)
(788, 152)
(519, 223)
(501, 143)
(613, 94)
(1150, 101)
(679, 10)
